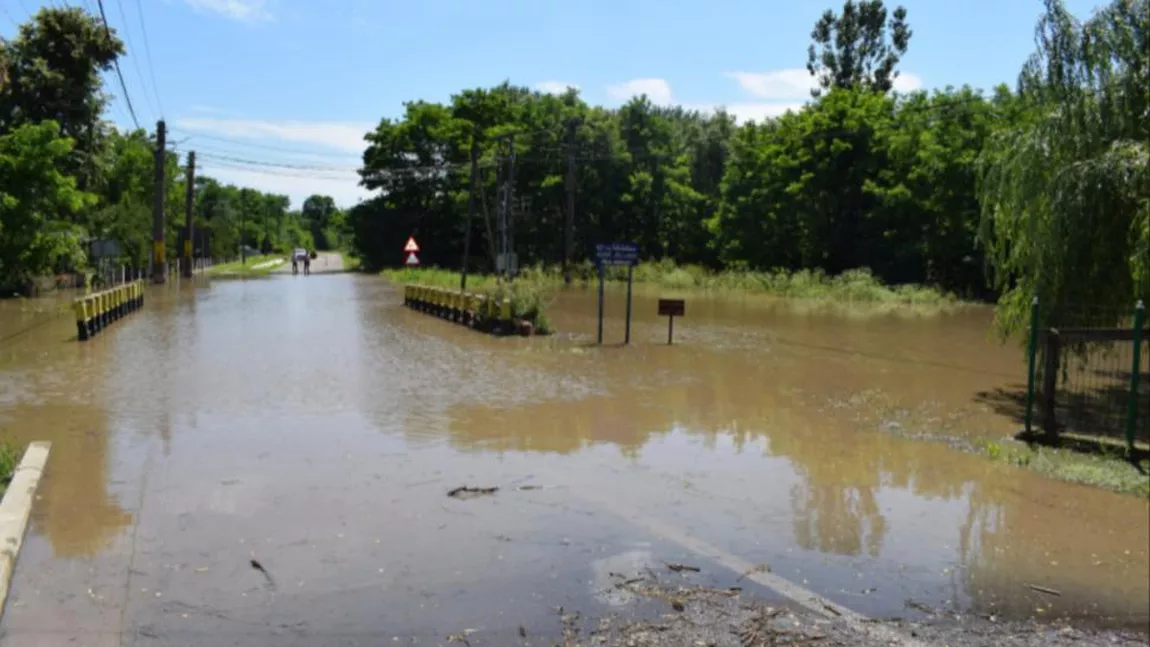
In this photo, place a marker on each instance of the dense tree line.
(68, 176)
(916, 186)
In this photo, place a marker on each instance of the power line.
(116, 62)
(131, 55)
(263, 146)
(248, 154)
(12, 19)
(207, 165)
(148, 53)
(302, 167)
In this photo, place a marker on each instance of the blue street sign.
(616, 254)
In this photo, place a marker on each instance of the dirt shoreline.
(698, 616)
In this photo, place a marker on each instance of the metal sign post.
(672, 308)
(616, 254)
(600, 342)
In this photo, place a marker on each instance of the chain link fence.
(1090, 375)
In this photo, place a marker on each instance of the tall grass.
(246, 268)
(530, 293)
(857, 285)
(9, 459)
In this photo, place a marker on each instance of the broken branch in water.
(678, 568)
(1043, 589)
(465, 492)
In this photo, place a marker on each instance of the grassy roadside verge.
(350, 262)
(1103, 466)
(530, 293)
(9, 459)
(245, 270)
(858, 285)
(1108, 468)
(853, 286)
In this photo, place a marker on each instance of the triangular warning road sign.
(411, 245)
(412, 259)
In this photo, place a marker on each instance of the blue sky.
(300, 81)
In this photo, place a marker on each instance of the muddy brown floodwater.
(315, 425)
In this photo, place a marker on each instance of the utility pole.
(243, 247)
(569, 223)
(470, 207)
(159, 274)
(189, 232)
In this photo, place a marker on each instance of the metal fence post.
(1132, 411)
(1031, 356)
(1052, 353)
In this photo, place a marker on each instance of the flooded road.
(314, 424)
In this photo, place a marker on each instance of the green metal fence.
(1090, 379)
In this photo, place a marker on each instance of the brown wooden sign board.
(672, 307)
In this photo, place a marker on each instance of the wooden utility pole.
(569, 223)
(189, 232)
(159, 269)
(470, 207)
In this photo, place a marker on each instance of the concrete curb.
(14, 511)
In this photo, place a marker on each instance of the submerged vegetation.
(1107, 468)
(530, 293)
(9, 459)
(253, 266)
(533, 290)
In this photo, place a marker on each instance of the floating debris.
(1043, 589)
(467, 492)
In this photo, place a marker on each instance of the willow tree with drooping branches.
(1065, 192)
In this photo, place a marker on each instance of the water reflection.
(758, 432)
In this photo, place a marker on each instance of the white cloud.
(791, 83)
(760, 112)
(344, 188)
(907, 82)
(339, 135)
(555, 87)
(797, 83)
(246, 10)
(657, 90)
(747, 111)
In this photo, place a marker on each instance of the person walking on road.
(307, 265)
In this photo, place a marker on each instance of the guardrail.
(472, 310)
(97, 311)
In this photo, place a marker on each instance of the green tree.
(1065, 193)
(34, 194)
(52, 71)
(323, 220)
(928, 209)
(859, 48)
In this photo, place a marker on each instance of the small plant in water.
(9, 458)
(993, 450)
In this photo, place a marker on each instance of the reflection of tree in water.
(843, 462)
(835, 507)
(838, 520)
